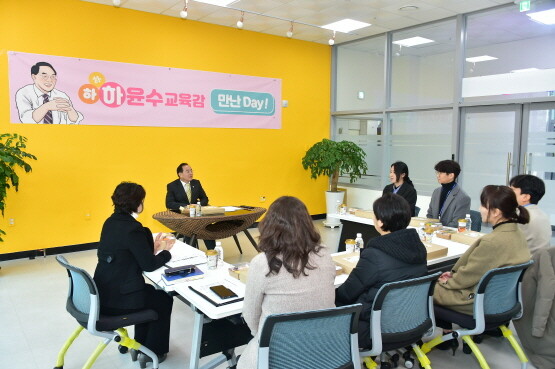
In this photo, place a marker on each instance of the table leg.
(194, 241)
(237, 243)
(251, 239)
(197, 339)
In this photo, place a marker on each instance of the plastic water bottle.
(468, 222)
(359, 242)
(220, 251)
(199, 209)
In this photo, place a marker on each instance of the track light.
(332, 39)
(240, 21)
(290, 32)
(116, 3)
(184, 13)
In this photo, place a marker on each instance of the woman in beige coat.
(506, 245)
(294, 272)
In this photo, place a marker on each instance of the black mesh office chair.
(497, 301)
(319, 339)
(84, 305)
(402, 313)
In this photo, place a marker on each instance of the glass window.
(423, 65)
(509, 54)
(360, 75)
(366, 131)
(421, 139)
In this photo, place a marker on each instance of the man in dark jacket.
(185, 191)
(396, 255)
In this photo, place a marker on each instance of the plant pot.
(333, 200)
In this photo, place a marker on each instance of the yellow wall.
(79, 166)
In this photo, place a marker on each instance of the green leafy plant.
(12, 156)
(332, 158)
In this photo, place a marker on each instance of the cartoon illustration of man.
(40, 102)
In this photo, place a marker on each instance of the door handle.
(508, 172)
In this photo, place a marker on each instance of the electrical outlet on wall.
(11, 222)
(262, 198)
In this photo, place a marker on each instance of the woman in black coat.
(126, 249)
(396, 255)
(401, 184)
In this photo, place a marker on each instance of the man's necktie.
(188, 191)
(48, 116)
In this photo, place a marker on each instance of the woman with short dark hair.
(293, 273)
(126, 249)
(396, 255)
(402, 185)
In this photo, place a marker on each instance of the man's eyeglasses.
(46, 77)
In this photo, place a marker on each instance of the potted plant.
(332, 158)
(12, 156)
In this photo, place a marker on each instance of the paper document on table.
(231, 208)
(185, 255)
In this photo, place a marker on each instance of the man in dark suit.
(185, 191)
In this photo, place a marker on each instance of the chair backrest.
(402, 312)
(416, 211)
(476, 219)
(498, 294)
(324, 339)
(82, 300)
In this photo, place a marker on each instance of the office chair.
(84, 305)
(402, 313)
(497, 301)
(318, 339)
(476, 219)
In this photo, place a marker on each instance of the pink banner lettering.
(47, 89)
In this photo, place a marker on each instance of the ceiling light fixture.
(116, 3)
(482, 58)
(413, 41)
(184, 13)
(544, 17)
(408, 8)
(240, 22)
(346, 25)
(332, 39)
(290, 32)
(217, 2)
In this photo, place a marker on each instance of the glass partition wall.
(479, 88)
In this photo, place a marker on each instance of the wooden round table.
(212, 227)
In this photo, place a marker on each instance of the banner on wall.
(49, 89)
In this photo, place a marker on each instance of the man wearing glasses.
(41, 103)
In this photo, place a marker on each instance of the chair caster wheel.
(395, 360)
(478, 339)
(466, 349)
(409, 363)
(122, 349)
(59, 367)
(386, 365)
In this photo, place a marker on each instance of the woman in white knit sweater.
(293, 273)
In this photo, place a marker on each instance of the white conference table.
(454, 249)
(183, 254)
(202, 309)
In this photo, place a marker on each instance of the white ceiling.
(384, 15)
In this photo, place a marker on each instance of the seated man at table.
(185, 191)
(449, 202)
(529, 190)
